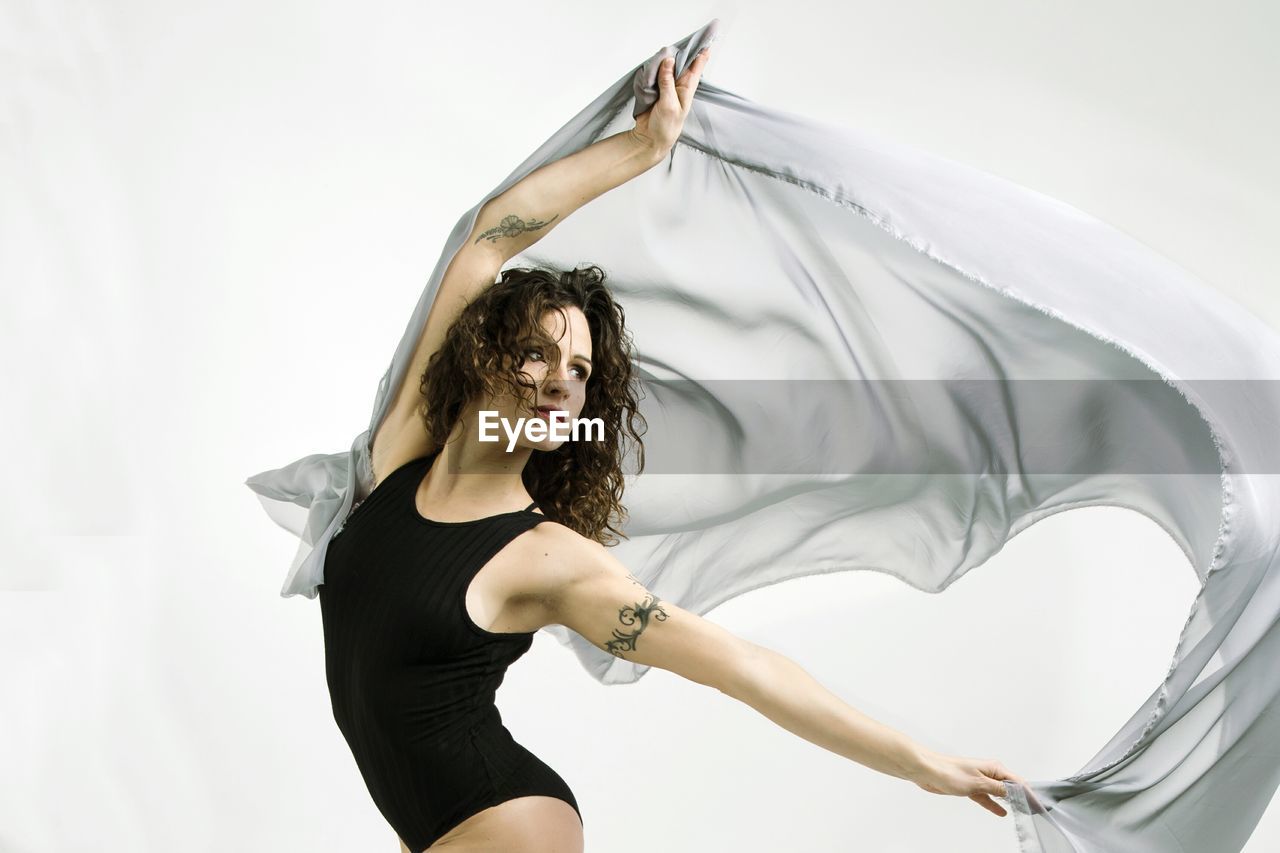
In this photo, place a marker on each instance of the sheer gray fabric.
(846, 344)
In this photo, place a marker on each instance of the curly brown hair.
(580, 483)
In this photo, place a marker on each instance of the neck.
(474, 476)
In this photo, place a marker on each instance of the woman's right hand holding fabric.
(976, 778)
(658, 127)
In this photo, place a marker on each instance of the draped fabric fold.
(858, 355)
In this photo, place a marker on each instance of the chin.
(547, 446)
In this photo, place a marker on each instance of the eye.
(531, 353)
(583, 373)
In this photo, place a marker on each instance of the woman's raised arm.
(514, 220)
(519, 217)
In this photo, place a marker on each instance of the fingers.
(691, 77)
(989, 804)
(683, 89)
(995, 787)
(699, 62)
(667, 67)
(666, 77)
(996, 770)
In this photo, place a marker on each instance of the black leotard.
(411, 677)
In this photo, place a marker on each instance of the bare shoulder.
(565, 542)
(557, 555)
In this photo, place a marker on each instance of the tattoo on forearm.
(514, 226)
(637, 615)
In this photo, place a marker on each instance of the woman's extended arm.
(518, 218)
(781, 690)
(583, 587)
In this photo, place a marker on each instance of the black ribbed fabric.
(411, 678)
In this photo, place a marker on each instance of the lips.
(545, 411)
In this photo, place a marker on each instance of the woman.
(513, 532)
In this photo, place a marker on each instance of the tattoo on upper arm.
(635, 615)
(514, 226)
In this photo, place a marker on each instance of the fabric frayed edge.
(1023, 826)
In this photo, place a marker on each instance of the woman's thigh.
(522, 825)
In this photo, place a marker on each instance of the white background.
(191, 194)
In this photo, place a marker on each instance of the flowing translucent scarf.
(857, 355)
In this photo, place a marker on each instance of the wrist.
(646, 147)
(917, 762)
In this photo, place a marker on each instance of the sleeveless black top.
(411, 677)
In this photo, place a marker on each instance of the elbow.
(742, 674)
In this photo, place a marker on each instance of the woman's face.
(564, 387)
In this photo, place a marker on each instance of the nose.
(555, 383)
